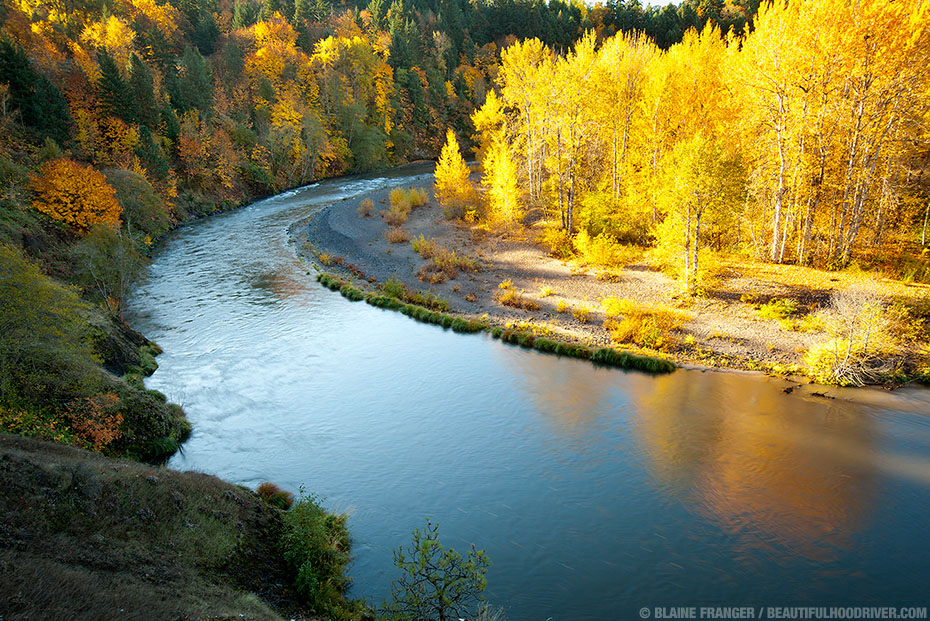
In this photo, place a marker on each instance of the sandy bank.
(722, 332)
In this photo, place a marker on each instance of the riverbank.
(508, 280)
(91, 537)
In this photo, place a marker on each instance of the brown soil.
(723, 331)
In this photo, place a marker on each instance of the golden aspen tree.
(573, 125)
(453, 189)
(769, 74)
(75, 194)
(524, 67)
(623, 61)
(503, 192)
(699, 177)
(488, 120)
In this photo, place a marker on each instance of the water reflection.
(773, 471)
(279, 284)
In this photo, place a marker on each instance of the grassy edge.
(604, 356)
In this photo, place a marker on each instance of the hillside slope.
(88, 537)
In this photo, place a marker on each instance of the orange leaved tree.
(75, 194)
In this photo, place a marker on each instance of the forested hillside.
(121, 119)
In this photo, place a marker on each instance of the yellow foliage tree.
(453, 189)
(501, 183)
(75, 194)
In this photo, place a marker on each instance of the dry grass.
(396, 235)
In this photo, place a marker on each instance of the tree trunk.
(780, 191)
(697, 244)
(688, 251)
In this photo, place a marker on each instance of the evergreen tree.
(143, 92)
(152, 155)
(192, 86)
(41, 105)
(113, 91)
(245, 14)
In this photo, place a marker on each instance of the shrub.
(398, 197)
(509, 297)
(396, 216)
(275, 496)
(96, 420)
(557, 241)
(45, 341)
(859, 342)
(75, 194)
(562, 307)
(407, 198)
(581, 313)
(397, 290)
(778, 309)
(505, 284)
(396, 235)
(144, 211)
(545, 291)
(315, 544)
(431, 273)
(424, 247)
(436, 582)
(417, 197)
(443, 264)
(366, 208)
(600, 250)
(647, 325)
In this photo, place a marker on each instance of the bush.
(778, 309)
(315, 544)
(397, 290)
(557, 241)
(509, 297)
(443, 264)
(396, 216)
(646, 325)
(45, 342)
(396, 235)
(424, 247)
(144, 211)
(436, 582)
(581, 313)
(366, 208)
(860, 346)
(600, 250)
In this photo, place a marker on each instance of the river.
(594, 491)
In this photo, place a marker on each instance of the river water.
(595, 492)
